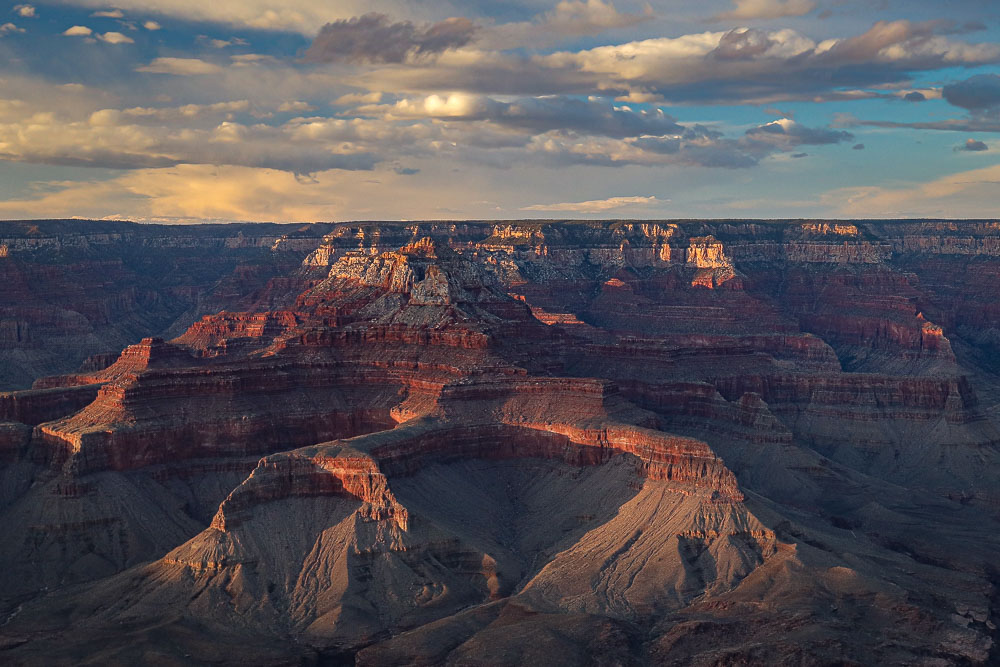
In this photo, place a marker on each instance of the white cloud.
(765, 9)
(180, 67)
(78, 31)
(968, 194)
(25, 11)
(115, 38)
(109, 14)
(359, 98)
(188, 110)
(596, 205)
(8, 28)
(151, 25)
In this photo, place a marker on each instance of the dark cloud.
(915, 96)
(974, 124)
(742, 45)
(592, 117)
(858, 147)
(799, 155)
(793, 134)
(978, 93)
(974, 146)
(374, 38)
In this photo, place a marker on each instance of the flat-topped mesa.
(422, 294)
(314, 471)
(226, 333)
(364, 467)
(35, 406)
(163, 416)
(427, 269)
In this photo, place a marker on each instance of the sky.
(322, 110)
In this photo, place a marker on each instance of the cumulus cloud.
(8, 28)
(978, 93)
(595, 205)
(115, 38)
(374, 38)
(179, 66)
(25, 11)
(151, 25)
(186, 111)
(78, 31)
(973, 145)
(765, 9)
(786, 133)
(915, 96)
(109, 14)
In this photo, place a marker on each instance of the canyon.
(555, 442)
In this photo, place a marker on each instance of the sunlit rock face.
(497, 443)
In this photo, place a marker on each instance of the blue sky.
(186, 110)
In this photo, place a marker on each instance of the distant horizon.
(493, 221)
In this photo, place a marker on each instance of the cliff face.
(684, 442)
(73, 289)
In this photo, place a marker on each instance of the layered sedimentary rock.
(688, 442)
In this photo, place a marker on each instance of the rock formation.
(728, 442)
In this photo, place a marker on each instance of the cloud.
(350, 99)
(8, 28)
(296, 106)
(915, 96)
(765, 9)
(115, 38)
(569, 18)
(25, 11)
(142, 137)
(180, 67)
(78, 31)
(151, 25)
(595, 206)
(374, 38)
(188, 193)
(187, 111)
(858, 147)
(589, 17)
(973, 145)
(976, 94)
(741, 66)
(970, 194)
(109, 13)
(200, 193)
(535, 114)
(786, 133)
